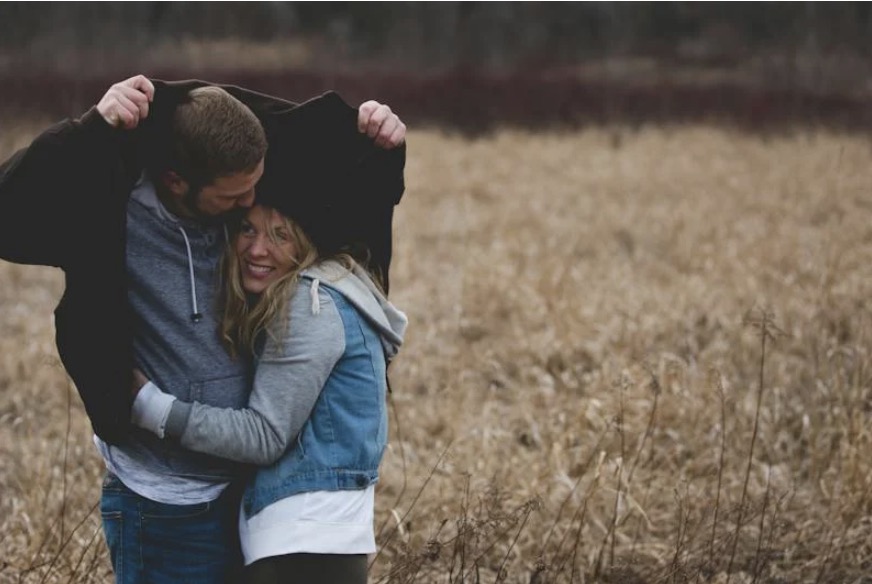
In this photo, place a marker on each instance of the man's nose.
(247, 200)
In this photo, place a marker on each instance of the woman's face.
(265, 249)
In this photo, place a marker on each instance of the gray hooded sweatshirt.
(291, 372)
(172, 266)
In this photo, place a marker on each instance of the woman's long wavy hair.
(245, 316)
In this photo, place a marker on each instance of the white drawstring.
(195, 316)
(313, 294)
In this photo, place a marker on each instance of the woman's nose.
(258, 247)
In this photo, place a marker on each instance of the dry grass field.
(635, 356)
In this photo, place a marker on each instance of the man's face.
(227, 193)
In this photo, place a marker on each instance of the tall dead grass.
(584, 396)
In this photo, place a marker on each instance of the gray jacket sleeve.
(287, 383)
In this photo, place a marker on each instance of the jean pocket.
(113, 483)
(111, 502)
(110, 517)
(155, 510)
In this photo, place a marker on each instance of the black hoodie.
(63, 203)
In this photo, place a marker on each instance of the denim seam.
(120, 568)
(139, 536)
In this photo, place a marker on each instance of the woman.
(321, 333)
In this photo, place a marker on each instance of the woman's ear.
(174, 183)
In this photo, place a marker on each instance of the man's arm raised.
(127, 102)
(41, 186)
(377, 121)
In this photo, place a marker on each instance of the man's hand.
(126, 103)
(377, 121)
(139, 380)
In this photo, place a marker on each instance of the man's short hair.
(213, 135)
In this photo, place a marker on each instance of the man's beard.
(191, 203)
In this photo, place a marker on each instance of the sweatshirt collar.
(357, 287)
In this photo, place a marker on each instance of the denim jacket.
(316, 417)
(341, 445)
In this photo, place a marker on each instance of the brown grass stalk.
(722, 399)
(766, 327)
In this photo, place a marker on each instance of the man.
(129, 201)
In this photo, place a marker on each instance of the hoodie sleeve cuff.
(151, 408)
(92, 120)
(177, 420)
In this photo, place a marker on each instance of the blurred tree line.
(433, 36)
(470, 65)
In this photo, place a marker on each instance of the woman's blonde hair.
(245, 317)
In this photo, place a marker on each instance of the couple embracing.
(225, 320)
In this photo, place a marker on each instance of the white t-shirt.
(319, 522)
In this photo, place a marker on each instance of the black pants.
(308, 569)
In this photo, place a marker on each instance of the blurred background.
(467, 64)
(634, 249)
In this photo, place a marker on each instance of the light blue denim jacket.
(316, 418)
(341, 445)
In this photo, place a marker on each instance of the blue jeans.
(156, 543)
